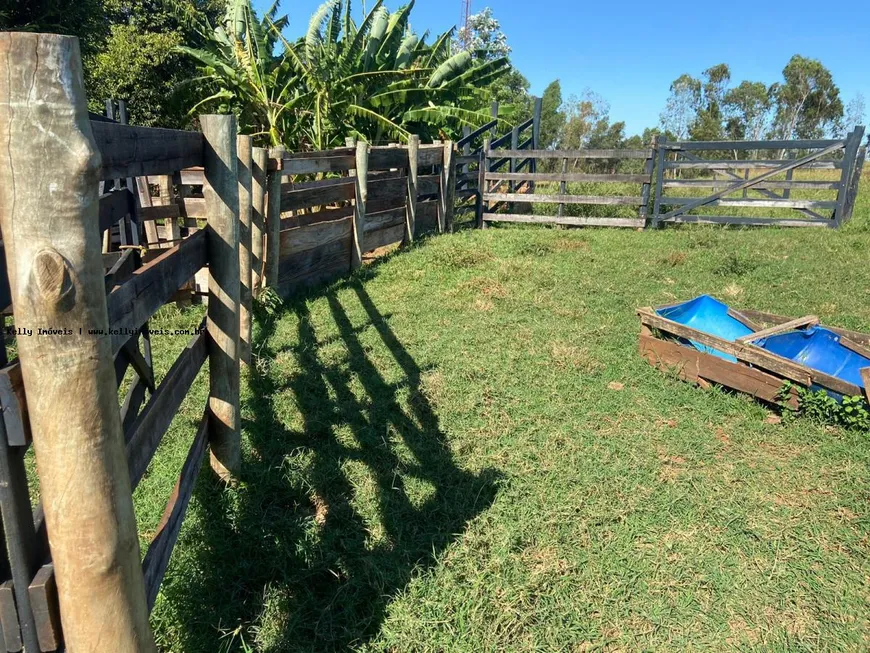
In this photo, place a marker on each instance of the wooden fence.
(372, 197)
(473, 144)
(668, 166)
(493, 182)
(75, 219)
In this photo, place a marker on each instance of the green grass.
(460, 449)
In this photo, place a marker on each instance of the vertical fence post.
(258, 216)
(856, 179)
(536, 136)
(273, 220)
(221, 190)
(512, 166)
(411, 199)
(245, 173)
(850, 153)
(361, 197)
(563, 186)
(48, 209)
(648, 167)
(448, 187)
(659, 147)
(482, 169)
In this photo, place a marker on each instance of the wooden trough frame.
(757, 371)
(493, 180)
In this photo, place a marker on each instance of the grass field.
(459, 449)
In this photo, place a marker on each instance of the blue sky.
(629, 52)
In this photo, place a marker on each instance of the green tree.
(808, 103)
(682, 106)
(138, 60)
(748, 109)
(82, 18)
(552, 116)
(484, 38)
(582, 115)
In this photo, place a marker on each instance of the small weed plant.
(822, 408)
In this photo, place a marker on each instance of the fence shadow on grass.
(295, 532)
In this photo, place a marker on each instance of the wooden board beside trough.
(757, 372)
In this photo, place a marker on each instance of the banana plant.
(377, 80)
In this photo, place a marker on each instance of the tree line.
(380, 80)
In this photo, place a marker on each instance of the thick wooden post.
(483, 168)
(49, 210)
(273, 221)
(563, 187)
(245, 155)
(361, 197)
(850, 153)
(221, 192)
(411, 199)
(448, 187)
(258, 216)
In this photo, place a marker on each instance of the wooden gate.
(811, 199)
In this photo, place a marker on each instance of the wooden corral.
(757, 372)
(137, 216)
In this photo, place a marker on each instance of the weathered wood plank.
(797, 144)
(327, 193)
(562, 199)
(141, 151)
(170, 211)
(146, 432)
(411, 192)
(9, 617)
(725, 164)
(314, 266)
(572, 221)
(326, 163)
(361, 194)
(193, 207)
(377, 238)
(308, 237)
(755, 203)
(565, 177)
(14, 406)
(791, 325)
(772, 318)
(157, 558)
(749, 222)
(716, 184)
(132, 303)
(114, 206)
(693, 365)
(570, 154)
(46, 610)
